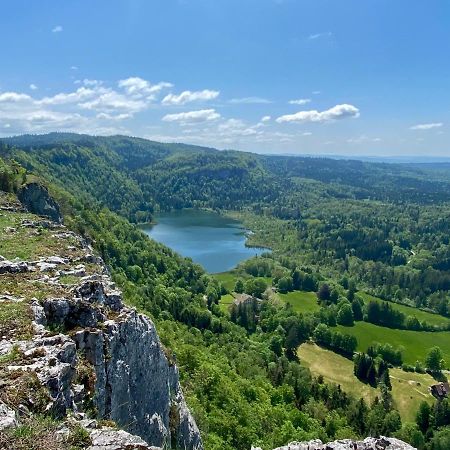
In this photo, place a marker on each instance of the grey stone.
(56, 260)
(370, 443)
(13, 267)
(37, 200)
(88, 423)
(109, 439)
(136, 386)
(95, 290)
(7, 417)
(71, 313)
(45, 267)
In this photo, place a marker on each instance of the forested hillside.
(384, 225)
(335, 227)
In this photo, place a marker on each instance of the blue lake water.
(214, 241)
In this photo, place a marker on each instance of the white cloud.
(336, 113)
(189, 96)
(313, 37)
(202, 115)
(300, 101)
(57, 29)
(317, 92)
(249, 100)
(139, 87)
(33, 87)
(111, 100)
(88, 82)
(265, 119)
(427, 126)
(307, 133)
(107, 116)
(13, 97)
(237, 127)
(73, 67)
(81, 94)
(92, 107)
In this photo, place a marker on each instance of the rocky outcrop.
(12, 267)
(36, 199)
(135, 384)
(107, 439)
(90, 352)
(370, 443)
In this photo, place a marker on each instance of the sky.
(348, 77)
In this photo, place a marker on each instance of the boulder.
(7, 417)
(37, 200)
(13, 267)
(109, 439)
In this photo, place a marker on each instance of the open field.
(335, 369)
(225, 302)
(415, 343)
(228, 279)
(301, 301)
(408, 389)
(432, 319)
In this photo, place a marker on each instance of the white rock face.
(108, 439)
(7, 417)
(136, 386)
(370, 443)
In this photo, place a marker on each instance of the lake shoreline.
(215, 240)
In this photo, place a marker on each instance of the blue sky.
(356, 77)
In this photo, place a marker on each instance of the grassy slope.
(433, 319)
(408, 389)
(415, 343)
(228, 279)
(225, 302)
(301, 301)
(335, 369)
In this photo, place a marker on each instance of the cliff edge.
(69, 347)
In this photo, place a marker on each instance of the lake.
(211, 240)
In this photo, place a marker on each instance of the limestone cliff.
(92, 356)
(370, 443)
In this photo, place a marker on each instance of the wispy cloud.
(338, 112)
(313, 37)
(300, 101)
(427, 126)
(265, 119)
(249, 100)
(139, 87)
(57, 29)
(33, 87)
(189, 96)
(189, 117)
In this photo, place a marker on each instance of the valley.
(351, 271)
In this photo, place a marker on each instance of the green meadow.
(301, 301)
(408, 388)
(431, 318)
(415, 343)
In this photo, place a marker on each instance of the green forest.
(358, 249)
